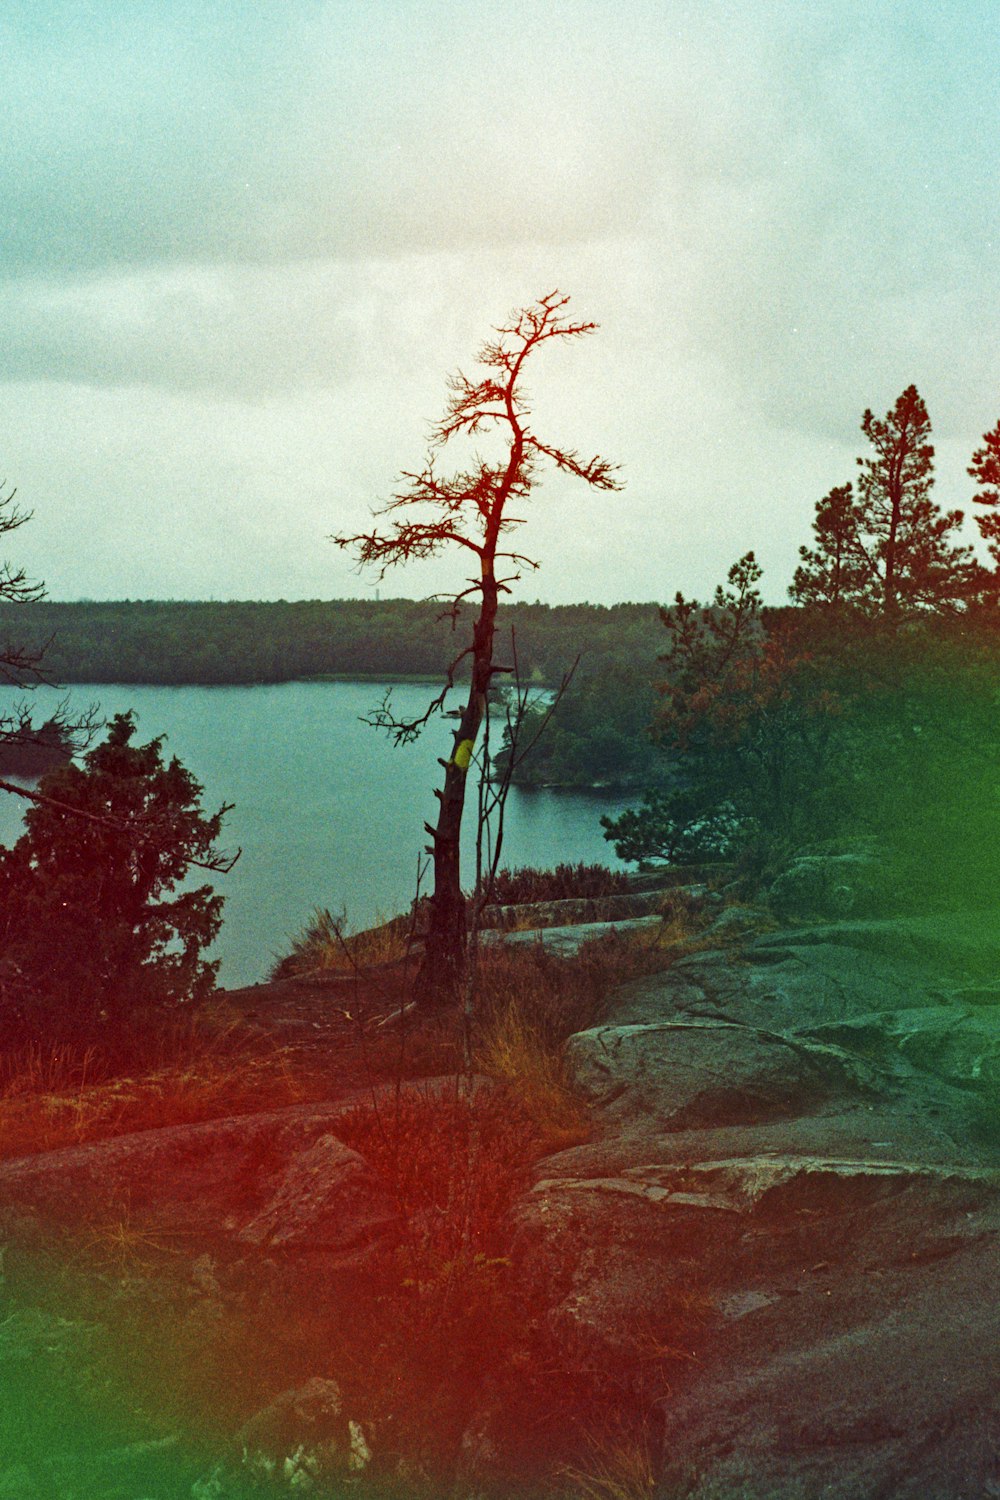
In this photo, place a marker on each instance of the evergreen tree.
(745, 727)
(91, 927)
(985, 470)
(832, 571)
(890, 550)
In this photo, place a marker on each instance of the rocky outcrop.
(853, 882)
(571, 910)
(684, 1073)
(566, 941)
(778, 1252)
(325, 1199)
(793, 1206)
(274, 1181)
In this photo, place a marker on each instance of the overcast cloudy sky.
(243, 244)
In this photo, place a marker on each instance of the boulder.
(325, 1199)
(854, 883)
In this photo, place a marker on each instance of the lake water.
(327, 811)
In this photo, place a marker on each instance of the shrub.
(516, 887)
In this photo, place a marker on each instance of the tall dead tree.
(471, 510)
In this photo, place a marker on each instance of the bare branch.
(404, 731)
(469, 509)
(596, 471)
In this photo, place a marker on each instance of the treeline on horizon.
(241, 642)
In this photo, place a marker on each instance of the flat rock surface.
(279, 1178)
(701, 1072)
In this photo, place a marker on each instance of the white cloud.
(247, 243)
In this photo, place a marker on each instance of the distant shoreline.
(241, 643)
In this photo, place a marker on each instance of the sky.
(243, 246)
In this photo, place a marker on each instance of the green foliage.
(685, 825)
(91, 926)
(824, 725)
(598, 734)
(869, 710)
(985, 470)
(744, 727)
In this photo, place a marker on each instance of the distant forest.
(148, 641)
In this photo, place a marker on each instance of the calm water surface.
(327, 811)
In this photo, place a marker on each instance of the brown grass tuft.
(510, 1048)
(325, 944)
(617, 1465)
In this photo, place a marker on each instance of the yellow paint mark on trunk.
(463, 754)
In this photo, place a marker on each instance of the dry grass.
(123, 1245)
(528, 1000)
(208, 1065)
(325, 944)
(51, 1098)
(441, 1309)
(509, 1047)
(37, 1068)
(619, 1466)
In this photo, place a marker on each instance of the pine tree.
(904, 536)
(832, 572)
(890, 550)
(985, 470)
(469, 512)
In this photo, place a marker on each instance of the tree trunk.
(443, 965)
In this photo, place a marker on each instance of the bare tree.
(470, 510)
